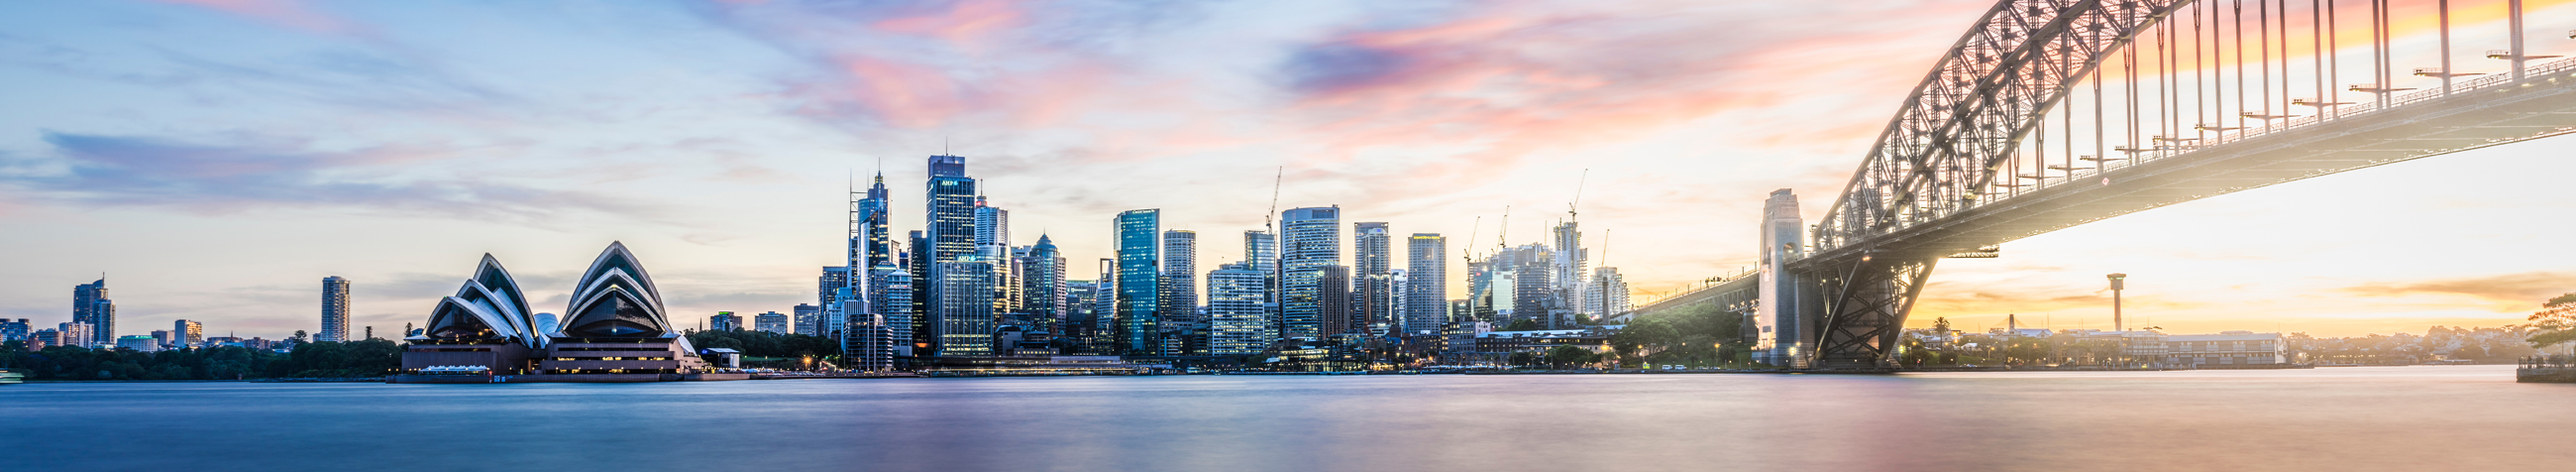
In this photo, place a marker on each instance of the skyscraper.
(1333, 297)
(724, 321)
(1311, 242)
(963, 312)
(993, 245)
(829, 292)
(809, 319)
(1373, 289)
(1426, 293)
(92, 308)
(1568, 270)
(185, 333)
(1261, 253)
(1138, 232)
(770, 322)
(873, 246)
(335, 310)
(950, 222)
(15, 330)
(1236, 297)
(1042, 282)
(1179, 289)
(1607, 292)
(890, 291)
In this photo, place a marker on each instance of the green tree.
(2555, 323)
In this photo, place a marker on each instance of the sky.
(215, 159)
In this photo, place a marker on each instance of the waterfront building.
(138, 343)
(486, 323)
(771, 322)
(616, 325)
(724, 321)
(335, 310)
(963, 317)
(809, 319)
(1178, 291)
(1781, 337)
(1237, 297)
(1310, 243)
(1372, 277)
(91, 307)
(890, 291)
(1426, 294)
(1139, 299)
(1042, 283)
(2226, 349)
(160, 337)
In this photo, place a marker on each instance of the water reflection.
(2372, 418)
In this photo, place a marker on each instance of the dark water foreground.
(2362, 418)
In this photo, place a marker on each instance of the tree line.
(369, 358)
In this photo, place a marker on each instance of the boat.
(10, 376)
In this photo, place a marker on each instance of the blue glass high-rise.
(1139, 236)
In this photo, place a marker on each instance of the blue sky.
(217, 158)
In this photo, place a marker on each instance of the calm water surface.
(2365, 418)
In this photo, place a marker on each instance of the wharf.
(2530, 374)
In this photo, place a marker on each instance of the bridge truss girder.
(1865, 302)
(1950, 140)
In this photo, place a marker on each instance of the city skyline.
(2324, 264)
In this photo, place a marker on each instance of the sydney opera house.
(614, 331)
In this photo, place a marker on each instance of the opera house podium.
(615, 331)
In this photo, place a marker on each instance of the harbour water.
(2361, 418)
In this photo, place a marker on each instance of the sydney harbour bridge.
(2053, 113)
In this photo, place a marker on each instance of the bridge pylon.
(1859, 307)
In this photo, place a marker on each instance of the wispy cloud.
(2526, 289)
(130, 171)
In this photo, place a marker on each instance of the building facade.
(1426, 293)
(1138, 234)
(1237, 301)
(724, 321)
(187, 334)
(963, 309)
(1372, 279)
(1177, 293)
(93, 309)
(1042, 283)
(771, 322)
(1310, 243)
(335, 311)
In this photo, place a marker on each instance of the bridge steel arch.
(1945, 146)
